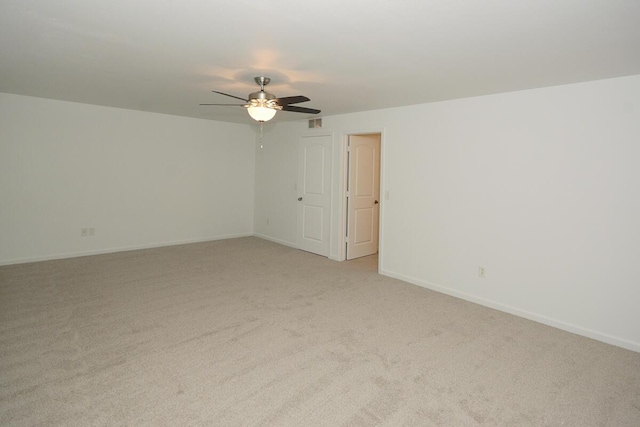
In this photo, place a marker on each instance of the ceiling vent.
(315, 123)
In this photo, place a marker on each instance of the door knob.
(299, 199)
(376, 202)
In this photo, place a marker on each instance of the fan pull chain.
(261, 126)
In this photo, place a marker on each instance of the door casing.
(363, 195)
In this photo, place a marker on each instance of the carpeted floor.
(248, 332)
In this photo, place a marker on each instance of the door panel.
(314, 168)
(364, 161)
(363, 208)
(312, 219)
(314, 198)
(364, 226)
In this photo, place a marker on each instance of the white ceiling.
(166, 56)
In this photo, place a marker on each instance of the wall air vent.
(315, 123)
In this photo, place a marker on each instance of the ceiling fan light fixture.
(260, 113)
(262, 106)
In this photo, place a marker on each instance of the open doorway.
(362, 194)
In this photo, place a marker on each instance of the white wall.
(541, 187)
(140, 179)
(275, 186)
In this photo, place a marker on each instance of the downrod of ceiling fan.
(262, 81)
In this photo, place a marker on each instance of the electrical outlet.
(482, 271)
(87, 231)
(267, 221)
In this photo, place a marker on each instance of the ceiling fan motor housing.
(263, 99)
(261, 95)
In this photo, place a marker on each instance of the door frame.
(342, 254)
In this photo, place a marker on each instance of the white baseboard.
(119, 249)
(271, 239)
(589, 333)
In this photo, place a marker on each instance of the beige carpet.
(248, 332)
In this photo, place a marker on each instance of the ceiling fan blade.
(227, 105)
(295, 109)
(291, 100)
(232, 96)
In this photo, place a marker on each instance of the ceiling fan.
(262, 106)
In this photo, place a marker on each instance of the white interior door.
(314, 194)
(363, 195)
